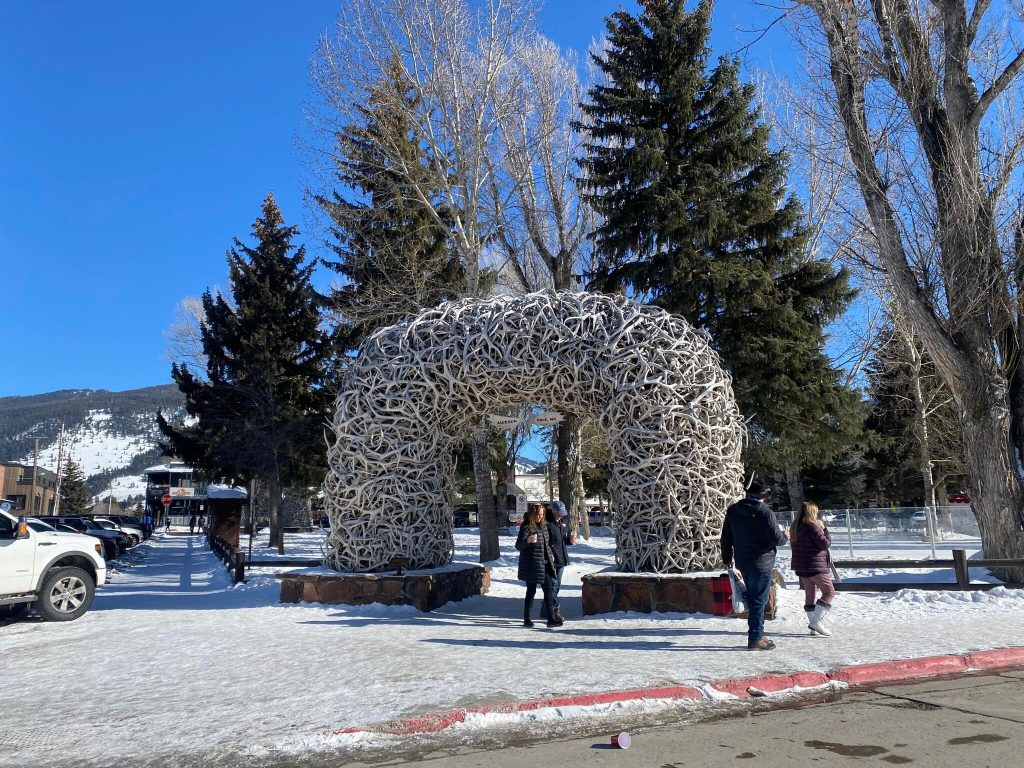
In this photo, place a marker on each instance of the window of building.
(17, 502)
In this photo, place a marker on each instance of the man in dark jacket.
(560, 537)
(751, 534)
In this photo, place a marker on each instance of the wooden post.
(239, 567)
(963, 576)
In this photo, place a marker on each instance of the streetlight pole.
(35, 468)
(60, 469)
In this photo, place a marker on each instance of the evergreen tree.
(917, 442)
(392, 248)
(260, 411)
(74, 496)
(694, 217)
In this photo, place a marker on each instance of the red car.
(959, 498)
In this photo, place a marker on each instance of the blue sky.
(138, 138)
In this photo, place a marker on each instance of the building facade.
(31, 490)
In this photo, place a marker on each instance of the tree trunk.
(568, 438)
(274, 504)
(1016, 385)
(500, 501)
(795, 486)
(489, 549)
(996, 506)
(921, 423)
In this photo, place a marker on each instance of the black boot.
(527, 621)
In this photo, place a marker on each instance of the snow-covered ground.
(175, 666)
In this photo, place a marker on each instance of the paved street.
(976, 721)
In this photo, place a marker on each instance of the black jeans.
(531, 590)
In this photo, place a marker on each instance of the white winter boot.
(817, 623)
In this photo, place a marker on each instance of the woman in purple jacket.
(810, 540)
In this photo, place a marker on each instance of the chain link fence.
(857, 527)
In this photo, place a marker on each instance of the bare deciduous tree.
(543, 222)
(184, 336)
(455, 55)
(927, 96)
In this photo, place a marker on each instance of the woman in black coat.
(536, 564)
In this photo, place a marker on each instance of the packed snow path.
(174, 665)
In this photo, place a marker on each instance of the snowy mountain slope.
(112, 436)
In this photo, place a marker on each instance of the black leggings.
(531, 590)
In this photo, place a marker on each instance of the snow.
(174, 665)
(96, 450)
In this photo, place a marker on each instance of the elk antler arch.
(652, 382)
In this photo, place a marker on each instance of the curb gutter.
(857, 675)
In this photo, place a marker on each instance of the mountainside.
(112, 436)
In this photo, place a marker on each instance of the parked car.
(88, 527)
(56, 572)
(598, 516)
(134, 532)
(960, 497)
(111, 546)
(132, 522)
(464, 516)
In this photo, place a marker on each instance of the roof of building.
(173, 466)
(214, 491)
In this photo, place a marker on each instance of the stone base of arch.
(425, 591)
(610, 592)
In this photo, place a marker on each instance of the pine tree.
(260, 411)
(392, 249)
(918, 443)
(74, 496)
(694, 216)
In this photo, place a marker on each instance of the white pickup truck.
(57, 571)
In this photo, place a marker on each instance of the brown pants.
(822, 581)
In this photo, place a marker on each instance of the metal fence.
(929, 525)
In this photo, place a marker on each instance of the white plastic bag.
(739, 591)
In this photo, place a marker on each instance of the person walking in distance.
(559, 536)
(192, 523)
(751, 534)
(536, 563)
(811, 541)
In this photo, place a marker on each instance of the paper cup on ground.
(621, 740)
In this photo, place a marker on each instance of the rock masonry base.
(654, 593)
(425, 591)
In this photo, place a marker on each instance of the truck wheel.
(66, 594)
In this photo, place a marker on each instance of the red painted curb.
(1000, 658)
(855, 675)
(770, 683)
(899, 669)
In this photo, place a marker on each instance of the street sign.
(547, 419)
(500, 421)
(521, 506)
(165, 499)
